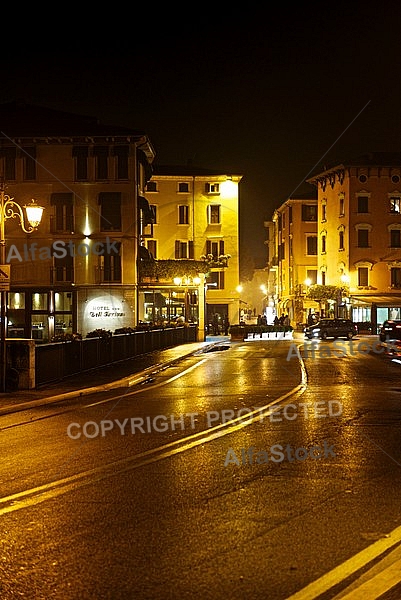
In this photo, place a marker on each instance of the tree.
(322, 293)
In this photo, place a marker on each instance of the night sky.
(273, 97)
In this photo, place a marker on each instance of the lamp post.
(9, 209)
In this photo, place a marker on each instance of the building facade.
(359, 231)
(296, 255)
(78, 271)
(195, 234)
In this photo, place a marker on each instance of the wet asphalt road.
(142, 492)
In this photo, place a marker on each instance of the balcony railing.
(107, 274)
(61, 275)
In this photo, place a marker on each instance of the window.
(29, 156)
(63, 270)
(212, 188)
(216, 248)
(395, 277)
(153, 208)
(324, 212)
(183, 187)
(111, 263)
(362, 178)
(80, 154)
(323, 244)
(121, 153)
(62, 219)
(216, 277)
(309, 212)
(341, 240)
(152, 247)
(395, 238)
(110, 211)
(312, 275)
(184, 249)
(311, 245)
(363, 238)
(342, 205)
(395, 204)
(213, 214)
(101, 154)
(290, 215)
(9, 155)
(151, 186)
(363, 204)
(183, 214)
(395, 178)
(363, 276)
(323, 277)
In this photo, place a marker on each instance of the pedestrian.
(276, 321)
(259, 321)
(263, 320)
(226, 324)
(281, 320)
(216, 324)
(286, 321)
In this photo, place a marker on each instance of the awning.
(147, 213)
(378, 300)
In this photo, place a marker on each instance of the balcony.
(107, 275)
(61, 275)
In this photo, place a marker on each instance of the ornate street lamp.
(9, 209)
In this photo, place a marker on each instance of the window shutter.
(208, 247)
(177, 249)
(221, 247)
(190, 249)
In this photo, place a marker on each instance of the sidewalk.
(111, 377)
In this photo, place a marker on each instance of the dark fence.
(55, 361)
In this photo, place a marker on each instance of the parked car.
(334, 328)
(390, 330)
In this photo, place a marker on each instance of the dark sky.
(271, 97)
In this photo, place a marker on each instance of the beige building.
(296, 248)
(359, 229)
(196, 223)
(78, 271)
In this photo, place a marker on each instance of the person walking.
(216, 324)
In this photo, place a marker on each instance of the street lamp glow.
(177, 280)
(263, 288)
(308, 282)
(345, 278)
(239, 288)
(34, 213)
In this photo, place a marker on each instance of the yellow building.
(359, 229)
(78, 271)
(296, 249)
(196, 227)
